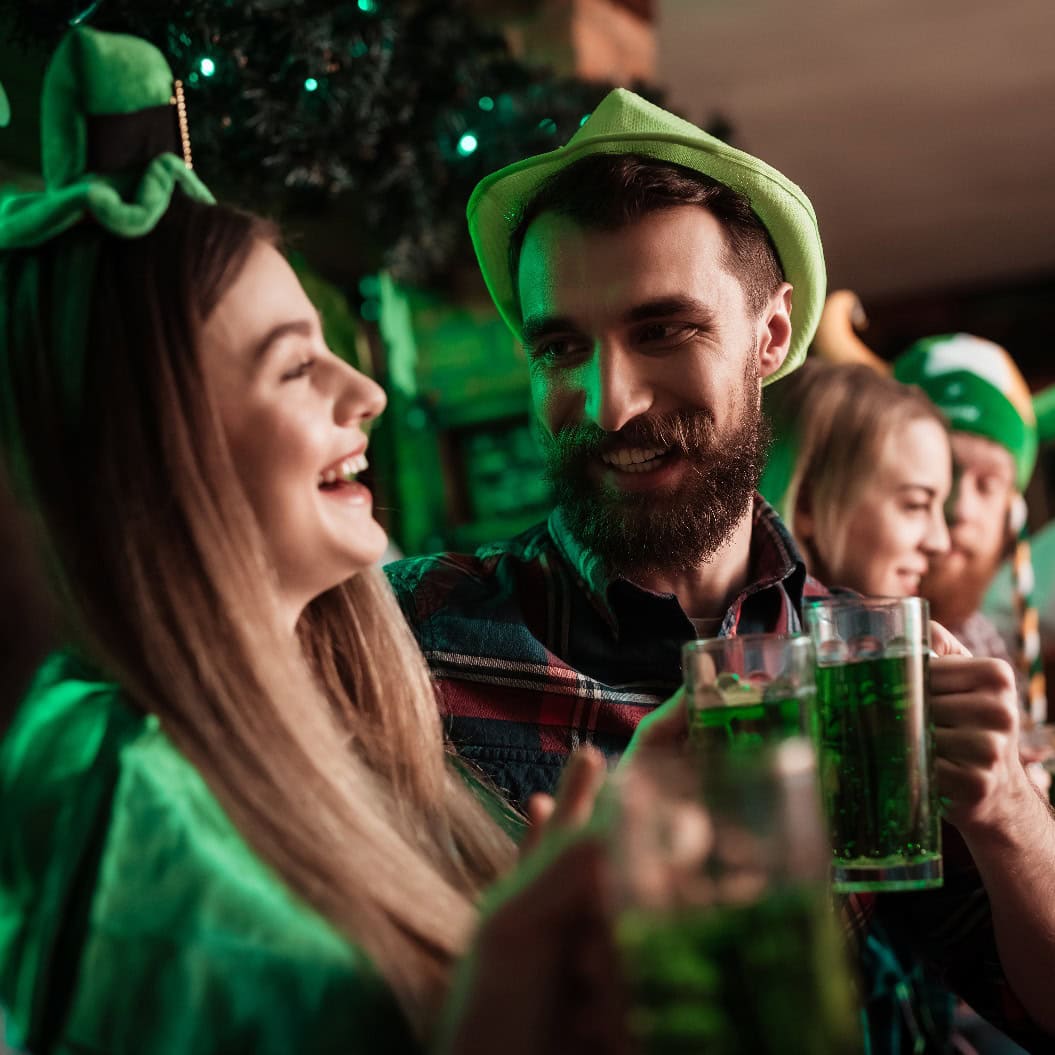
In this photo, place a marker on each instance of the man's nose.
(960, 504)
(616, 390)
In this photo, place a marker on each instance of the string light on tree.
(370, 286)
(435, 96)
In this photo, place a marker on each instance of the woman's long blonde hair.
(326, 753)
(838, 418)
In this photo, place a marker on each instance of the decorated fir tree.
(383, 113)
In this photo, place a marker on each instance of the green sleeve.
(171, 936)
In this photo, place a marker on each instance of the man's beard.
(955, 588)
(668, 528)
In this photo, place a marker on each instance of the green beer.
(747, 725)
(743, 979)
(876, 781)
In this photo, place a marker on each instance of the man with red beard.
(978, 387)
(648, 269)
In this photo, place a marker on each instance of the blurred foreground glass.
(751, 690)
(875, 742)
(729, 941)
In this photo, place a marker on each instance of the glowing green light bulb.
(467, 144)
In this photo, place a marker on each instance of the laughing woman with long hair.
(228, 821)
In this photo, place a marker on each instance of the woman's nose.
(360, 398)
(936, 541)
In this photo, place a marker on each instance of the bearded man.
(993, 434)
(648, 269)
(653, 301)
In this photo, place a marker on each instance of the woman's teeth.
(633, 459)
(346, 471)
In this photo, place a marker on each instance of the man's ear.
(775, 336)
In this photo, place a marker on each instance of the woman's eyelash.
(300, 370)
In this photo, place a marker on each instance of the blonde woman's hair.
(327, 753)
(838, 419)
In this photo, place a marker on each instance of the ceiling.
(924, 133)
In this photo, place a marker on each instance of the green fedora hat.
(624, 123)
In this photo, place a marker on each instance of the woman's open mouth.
(336, 476)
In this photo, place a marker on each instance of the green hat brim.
(639, 127)
(31, 219)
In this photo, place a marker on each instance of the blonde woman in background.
(861, 471)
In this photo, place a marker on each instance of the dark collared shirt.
(536, 648)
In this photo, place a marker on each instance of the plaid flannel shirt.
(535, 649)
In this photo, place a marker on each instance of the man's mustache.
(682, 431)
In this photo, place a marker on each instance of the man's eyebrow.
(293, 327)
(536, 326)
(666, 307)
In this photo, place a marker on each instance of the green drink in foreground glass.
(740, 978)
(875, 742)
(748, 691)
(727, 936)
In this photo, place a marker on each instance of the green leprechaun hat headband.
(625, 123)
(114, 142)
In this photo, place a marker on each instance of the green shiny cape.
(134, 917)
